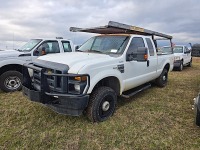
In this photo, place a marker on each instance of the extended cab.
(182, 56)
(108, 65)
(11, 61)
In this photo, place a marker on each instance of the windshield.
(30, 45)
(178, 49)
(107, 44)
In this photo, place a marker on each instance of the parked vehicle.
(108, 65)
(197, 109)
(182, 56)
(11, 61)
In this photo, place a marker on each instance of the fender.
(104, 74)
(169, 61)
(12, 62)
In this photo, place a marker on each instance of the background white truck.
(11, 61)
(182, 56)
(108, 65)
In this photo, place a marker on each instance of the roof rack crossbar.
(119, 28)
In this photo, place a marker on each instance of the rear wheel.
(11, 81)
(102, 104)
(161, 81)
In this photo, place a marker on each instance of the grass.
(158, 118)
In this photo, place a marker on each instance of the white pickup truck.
(182, 56)
(108, 65)
(11, 61)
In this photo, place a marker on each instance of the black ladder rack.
(119, 28)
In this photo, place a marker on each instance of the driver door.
(136, 72)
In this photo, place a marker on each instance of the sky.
(22, 20)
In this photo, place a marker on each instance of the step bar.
(136, 91)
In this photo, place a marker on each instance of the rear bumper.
(177, 63)
(73, 105)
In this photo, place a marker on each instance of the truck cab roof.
(46, 39)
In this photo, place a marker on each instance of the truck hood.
(9, 53)
(76, 60)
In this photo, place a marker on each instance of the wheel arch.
(110, 81)
(11, 67)
(167, 66)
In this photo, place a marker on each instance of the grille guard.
(44, 86)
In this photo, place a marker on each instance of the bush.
(196, 50)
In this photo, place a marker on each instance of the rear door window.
(150, 46)
(66, 46)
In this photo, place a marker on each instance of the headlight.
(176, 58)
(78, 84)
(77, 87)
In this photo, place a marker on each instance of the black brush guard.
(62, 102)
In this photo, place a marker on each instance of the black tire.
(11, 81)
(161, 81)
(102, 104)
(180, 68)
(197, 116)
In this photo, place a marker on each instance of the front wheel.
(180, 68)
(11, 81)
(102, 104)
(161, 81)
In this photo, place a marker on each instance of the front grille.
(55, 83)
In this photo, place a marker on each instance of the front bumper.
(177, 63)
(61, 103)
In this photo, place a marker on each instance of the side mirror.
(36, 53)
(77, 47)
(189, 51)
(142, 54)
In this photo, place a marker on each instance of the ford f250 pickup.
(11, 61)
(120, 58)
